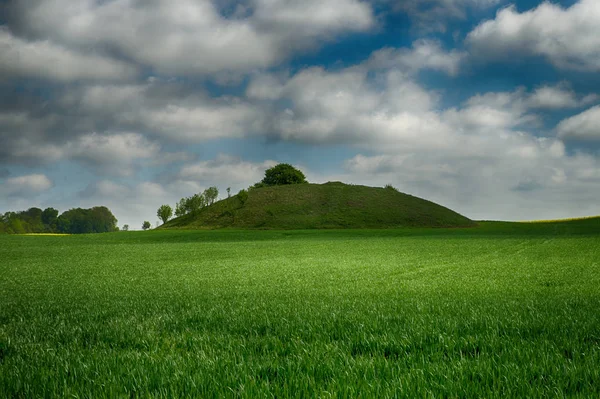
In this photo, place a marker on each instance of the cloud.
(233, 171)
(433, 15)
(116, 125)
(569, 38)
(559, 96)
(113, 154)
(346, 107)
(194, 37)
(388, 110)
(492, 110)
(424, 54)
(168, 110)
(525, 179)
(46, 60)
(584, 126)
(24, 186)
(22, 133)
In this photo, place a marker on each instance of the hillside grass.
(331, 205)
(499, 310)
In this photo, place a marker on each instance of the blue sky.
(489, 107)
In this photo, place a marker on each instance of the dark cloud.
(170, 36)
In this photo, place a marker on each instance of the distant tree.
(228, 192)
(98, 219)
(49, 218)
(103, 221)
(146, 225)
(15, 226)
(243, 196)
(283, 174)
(195, 203)
(31, 220)
(164, 213)
(210, 195)
(125, 227)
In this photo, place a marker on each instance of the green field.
(499, 310)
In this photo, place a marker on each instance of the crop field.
(500, 310)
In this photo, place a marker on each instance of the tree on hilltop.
(283, 174)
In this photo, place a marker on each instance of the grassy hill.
(322, 206)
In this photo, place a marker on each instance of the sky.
(488, 107)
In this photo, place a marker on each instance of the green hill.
(322, 206)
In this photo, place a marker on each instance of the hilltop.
(321, 206)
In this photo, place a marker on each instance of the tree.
(180, 208)
(125, 227)
(282, 174)
(210, 195)
(98, 219)
(146, 225)
(49, 218)
(195, 203)
(164, 213)
(228, 192)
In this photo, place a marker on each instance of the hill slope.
(321, 206)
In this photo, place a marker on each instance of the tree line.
(98, 219)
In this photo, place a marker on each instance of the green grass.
(322, 206)
(500, 310)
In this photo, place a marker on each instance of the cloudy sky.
(489, 107)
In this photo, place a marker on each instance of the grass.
(500, 310)
(332, 205)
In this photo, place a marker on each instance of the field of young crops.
(503, 310)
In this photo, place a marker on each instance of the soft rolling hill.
(322, 206)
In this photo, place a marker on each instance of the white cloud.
(193, 37)
(345, 107)
(583, 126)
(25, 186)
(44, 59)
(424, 54)
(557, 97)
(569, 38)
(232, 171)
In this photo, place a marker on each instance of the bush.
(243, 196)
